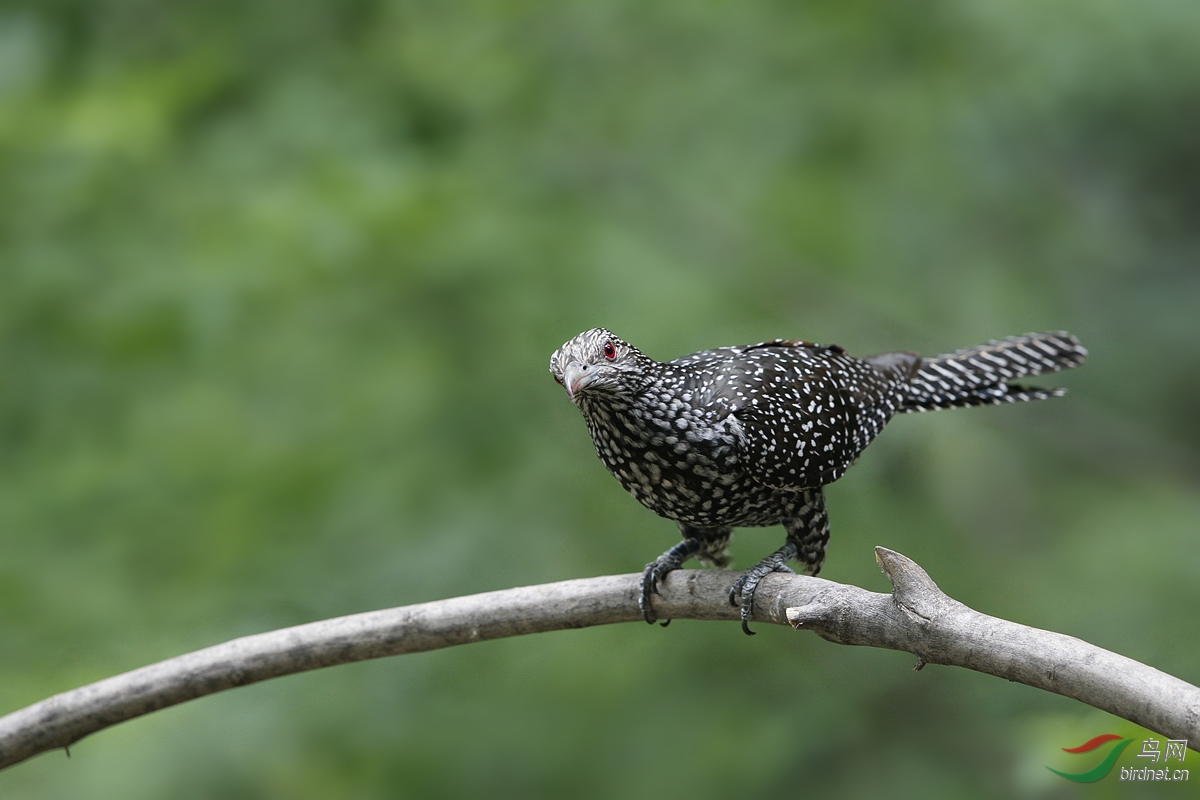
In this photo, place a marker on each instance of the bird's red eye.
(610, 351)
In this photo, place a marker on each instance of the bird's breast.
(679, 461)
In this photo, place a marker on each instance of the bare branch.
(920, 619)
(917, 617)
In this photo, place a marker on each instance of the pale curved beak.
(576, 377)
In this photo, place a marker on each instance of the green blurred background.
(279, 282)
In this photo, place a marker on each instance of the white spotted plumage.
(748, 435)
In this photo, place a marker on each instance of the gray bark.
(917, 617)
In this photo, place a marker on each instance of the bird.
(749, 435)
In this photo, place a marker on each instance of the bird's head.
(597, 362)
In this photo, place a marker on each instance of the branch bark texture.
(917, 617)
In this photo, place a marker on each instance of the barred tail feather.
(980, 375)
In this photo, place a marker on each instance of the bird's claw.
(650, 577)
(742, 591)
(658, 568)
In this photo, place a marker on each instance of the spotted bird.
(748, 436)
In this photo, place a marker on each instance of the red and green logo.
(1104, 767)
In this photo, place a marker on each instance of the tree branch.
(917, 617)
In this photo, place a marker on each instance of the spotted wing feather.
(803, 413)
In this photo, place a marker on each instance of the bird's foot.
(654, 571)
(742, 591)
(658, 568)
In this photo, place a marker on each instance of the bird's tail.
(980, 376)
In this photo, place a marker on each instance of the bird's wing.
(802, 416)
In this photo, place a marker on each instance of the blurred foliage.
(278, 286)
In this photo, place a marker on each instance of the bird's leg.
(807, 535)
(659, 567)
(707, 544)
(809, 529)
(745, 585)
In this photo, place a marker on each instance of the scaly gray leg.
(807, 535)
(706, 544)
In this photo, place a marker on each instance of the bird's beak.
(576, 377)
